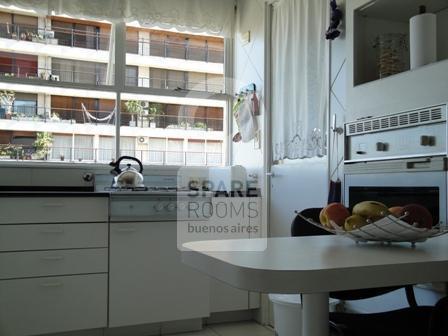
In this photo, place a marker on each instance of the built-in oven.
(398, 159)
(398, 183)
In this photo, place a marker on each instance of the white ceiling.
(401, 10)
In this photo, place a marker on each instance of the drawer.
(50, 263)
(53, 209)
(52, 236)
(56, 304)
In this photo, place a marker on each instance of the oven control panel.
(409, 134)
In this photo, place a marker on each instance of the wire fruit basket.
(389, 229)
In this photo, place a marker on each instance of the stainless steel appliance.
(159, 200)
(399, 159)
(128, 177)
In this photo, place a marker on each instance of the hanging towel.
(245, 119)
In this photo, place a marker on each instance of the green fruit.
(371, 210)
(354, 222)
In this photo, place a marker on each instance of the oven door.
(427, 188)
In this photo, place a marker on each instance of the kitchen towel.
(423, 39)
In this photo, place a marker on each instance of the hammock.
(91, 117)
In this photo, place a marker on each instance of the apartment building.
(56, 104)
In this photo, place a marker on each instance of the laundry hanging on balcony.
(87, 115)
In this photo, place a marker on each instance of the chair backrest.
(300, 228)
(439, 322)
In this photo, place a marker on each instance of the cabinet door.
(38, 306)
(148, 281)
(229, 211)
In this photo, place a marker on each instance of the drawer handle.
(53, 258)
(53, 205)
(51, 284)
(54, 231)
(125, 230)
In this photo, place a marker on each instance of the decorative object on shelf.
(335, 19)
(391, 50)
(423, 38)
(389, 229)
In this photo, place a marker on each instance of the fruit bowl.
(389, 229)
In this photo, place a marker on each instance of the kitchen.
(116, 256)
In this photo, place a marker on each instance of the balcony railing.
(173, 49)
(92, 77)
(55, 36)
(71, 37)
(100, 117)
(105, 155)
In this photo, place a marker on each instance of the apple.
(354, 222)
(335, 212)
(416, 214)
(397, 211)
(371, 210)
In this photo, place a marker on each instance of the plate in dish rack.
(389, 229)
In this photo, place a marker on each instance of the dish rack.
(389, 229)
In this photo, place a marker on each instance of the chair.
(410, 321)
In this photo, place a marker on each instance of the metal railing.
(105, 155)
(172, 84)
(55, 35)
(94, 77)
(71, 37)
(78, 116)
(171, 49)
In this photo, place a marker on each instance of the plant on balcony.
(134, 107)
(55, 117)
(200, 125)
(154, 110)
(185, 125)
(7, 99)
(43, 143)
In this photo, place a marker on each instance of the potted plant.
(7, 99)
(43, 143)
(134, 107)
(200, 126)
(55, 117)
(154, 111)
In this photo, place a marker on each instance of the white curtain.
(300, 78)
(205, 16)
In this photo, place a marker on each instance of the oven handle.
(416, 164)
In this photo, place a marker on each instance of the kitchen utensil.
(128, 177)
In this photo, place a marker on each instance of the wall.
(249, 68)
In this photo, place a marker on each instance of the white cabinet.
(369, 96)
(53, 264)
(148, 281)
(37, 306)
(234, 212)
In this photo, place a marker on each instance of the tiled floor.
(233, 329)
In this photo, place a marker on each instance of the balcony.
(92, 77)
(57, 115)
(15, 152)
(170, 49)
(55, 36)
(71, 37)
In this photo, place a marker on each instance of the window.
(166, 113)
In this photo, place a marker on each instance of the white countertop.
(319, 264)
